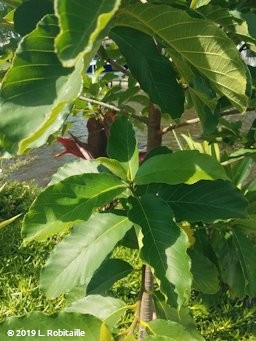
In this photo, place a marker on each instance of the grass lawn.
(218, 317)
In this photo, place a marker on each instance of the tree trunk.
(154, 139)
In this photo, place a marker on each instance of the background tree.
(182, 209)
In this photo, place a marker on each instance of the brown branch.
(179, 125)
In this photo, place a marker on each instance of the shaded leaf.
(105, 308)
(164, 247)
(237, 261)
(72, 199)
(88, 326)
(153, 71)
(27, 15)
(205, 201)
(179, 167)
(80, 254)
(36, 90)
(109, 272)
(122, 145)
(81, 23)
(205, 273)
(199, 41)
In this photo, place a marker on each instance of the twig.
(103, 53)
(114, 108)
(179, 125)
(171, 127)
(102, 104)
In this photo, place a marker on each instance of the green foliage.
(153, 71)
(163, 244)
(180, 209)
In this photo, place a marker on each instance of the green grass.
(20, 266)
(218, 317)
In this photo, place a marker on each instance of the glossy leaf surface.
(68, 201)
(36, 90)
(199, 41)
(179, 167)
(172, 330)
(204, 200)
(81, 22)
(90, 325)
(164, 247)
(81, 253)
(122, 145)
(108, 309)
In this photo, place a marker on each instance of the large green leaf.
(205, 273)
(110, 271)
(164, 247)
(36, 90)
(153, 71)
(107, 309)
(205, 201)
(81, 22)
(182, 317)
(173, 330)
(89, 327)
(80, 254)
(75, 168)
(67, 201)
(237, 261)
(122, 145)
(199, 41)
(179, 167)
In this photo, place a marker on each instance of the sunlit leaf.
(122, 146)
(81, 22)
(9, 221)
(75, 168)
(82, 327)
(36, 90)
(182, 317)
(179, 167)
(172, 330)
(108, 309)
(199, 41)
(80, 254)
(73, 199)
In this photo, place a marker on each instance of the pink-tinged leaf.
(74, 148)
